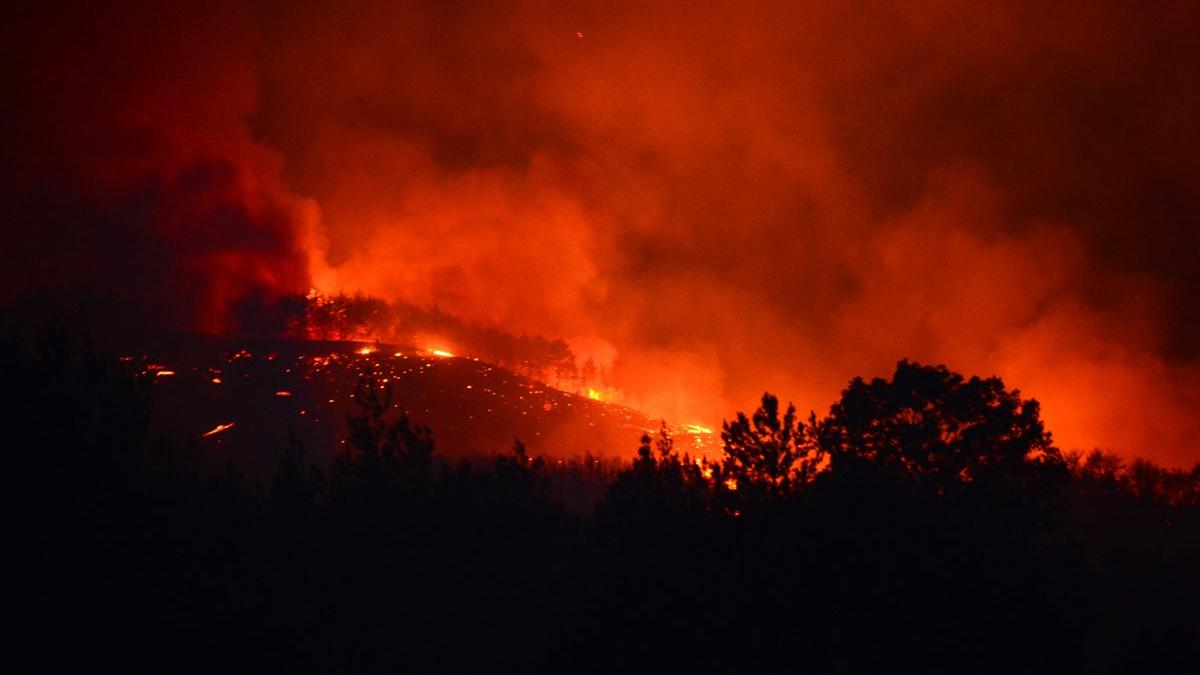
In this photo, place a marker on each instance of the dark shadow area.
(926, 524)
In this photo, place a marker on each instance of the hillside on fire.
(577, 336)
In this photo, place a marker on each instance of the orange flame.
(218, 429)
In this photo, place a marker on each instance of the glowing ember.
(697, 429)
(218, 429)
(216, 380)
(594, 395)
(441, 352)
(282, 393)
(366, 350)
(164, 373)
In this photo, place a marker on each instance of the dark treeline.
(926, 524)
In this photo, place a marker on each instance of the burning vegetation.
(715, 209)
(400, 286)
(273, 388)
(360, 318)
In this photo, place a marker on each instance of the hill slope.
(241, 400)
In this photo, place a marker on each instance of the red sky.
(717, 198)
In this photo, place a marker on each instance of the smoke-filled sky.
(714, 198)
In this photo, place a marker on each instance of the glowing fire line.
(218, 429)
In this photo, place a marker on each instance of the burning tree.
(341, 317)
(318, 316)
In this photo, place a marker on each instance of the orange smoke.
(703, 201)
(774, 198)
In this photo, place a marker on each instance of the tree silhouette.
(937, 431)
(768, 456)
(294, 492)
(520, 479)
(388, 457)
(659, 484)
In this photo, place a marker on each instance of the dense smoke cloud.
(711, 199)
(133, 190)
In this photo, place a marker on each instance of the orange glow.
(216, 380)
(283, 394)
(701, 212)
(164, 373)
(218, 429)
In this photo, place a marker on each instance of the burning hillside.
(242, 401)
(707, 203)
(332, 333)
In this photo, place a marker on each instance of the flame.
(218, 429)
(441, 352)
(595, 395)
(365, 350)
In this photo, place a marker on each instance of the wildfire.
(218, 429)
(497, 389)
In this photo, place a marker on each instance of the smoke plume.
(708, 201)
